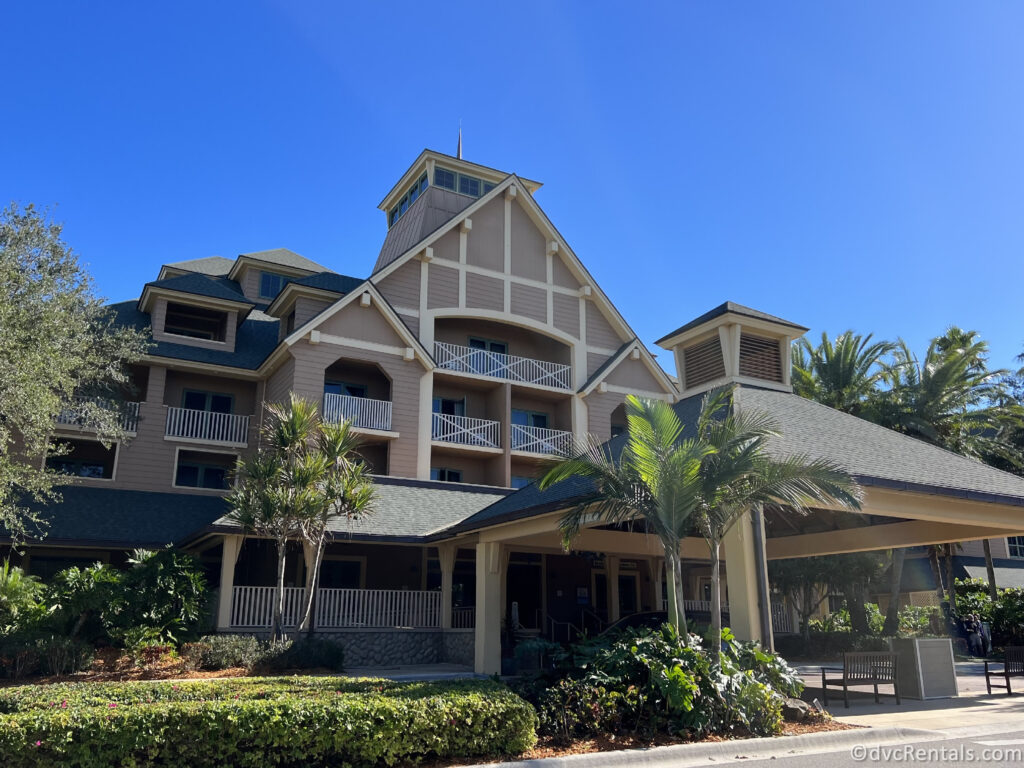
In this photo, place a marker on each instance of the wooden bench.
(1013, 666)
(879, 668)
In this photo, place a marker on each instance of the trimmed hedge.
(257, 722)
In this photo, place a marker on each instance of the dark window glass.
(403, 206)
(449, 406)
(469, 186)
(194, 400)
(394, 216)
(195, 322)
(488, 187)
(214, 477)
(444, 178)
(270, 284)
(446, 475)
(187, 475)
(220, 403)
(423, 183)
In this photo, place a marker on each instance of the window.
(444, 178)
(199, 469)
(341, 388)
(529, 418)
(446, 475)
(408, 199)
(195, 322)
(449, 406)
(1015, 544)
(84, 458)
(520, 481)
(469, 185)
(270, 284)
(215, 402)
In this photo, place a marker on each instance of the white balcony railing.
(453, 357)
(466, 431)
(337, 608)
(212, 427)
(464, 617)
(782, 620)
(72, 416)
(253, 607)
(555, 442)
(360, 411)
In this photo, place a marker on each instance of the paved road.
(998, 749)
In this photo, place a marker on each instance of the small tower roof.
(725, 312)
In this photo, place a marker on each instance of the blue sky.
(839, 164)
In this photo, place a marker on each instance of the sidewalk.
(972, 711)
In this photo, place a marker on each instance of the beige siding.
(306, 309)
(485, 242)
(312, 360)
(447, 246)
(249, 281)
(442, 287)
(242, 392)
(529, 248)
(402, 287)
(566, 311)
(485, 292)
(411, 322)
(599, 411)
(355, 321)
(594, 361)
(599, 330)
(529, 302)
(561, 275)
(280, 382)
(520, 341)
(634, 375)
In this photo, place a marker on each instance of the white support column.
(228, 559)
(446, 558)
(487, 635)
(742, 577)
(611, 575)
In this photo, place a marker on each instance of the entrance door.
(523, 586)
(628, 589)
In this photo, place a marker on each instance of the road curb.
(748, 749)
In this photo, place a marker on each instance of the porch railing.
(72, 416)
(555, 442)
(207, 425)
(453, 357)
(253, 607)
(463, 618)
(338, 608)
(782, 620)
(360, 411)
(466, 431)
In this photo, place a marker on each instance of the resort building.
(476, 351)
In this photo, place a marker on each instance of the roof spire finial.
(458, 151)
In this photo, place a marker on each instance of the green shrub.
(298, 721)
(310, 652)
(759, 708)
(63, 655)
(229, 651)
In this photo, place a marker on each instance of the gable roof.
(117, 518)
(729, 307)
(613, 362)
(329, 281)
(217, 266)
(285, 258)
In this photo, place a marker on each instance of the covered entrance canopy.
(915, 494)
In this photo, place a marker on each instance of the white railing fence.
(782, 620)
(466, 431)
(464, 618)
(207, 425)
(360, 411)
(253, 607)
(338, 608)
(453, 357)
(541, 440)
(73, 415)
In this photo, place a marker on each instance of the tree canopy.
(59, 349)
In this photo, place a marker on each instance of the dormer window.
(195, 322)
(461, 183)
(407, 200)
(270, 284)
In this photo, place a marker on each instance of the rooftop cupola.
(733, 344)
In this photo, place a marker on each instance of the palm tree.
(655, 479)
(304, 476)
(844, 374)
(739, 475)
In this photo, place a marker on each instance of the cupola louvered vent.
(703, 363)
(760, 358)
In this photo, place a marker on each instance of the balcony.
(462, 430)
(550, 442)
(253, 608)
(360, 412)
(496, 365)
(73, 415)
(207, 426)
